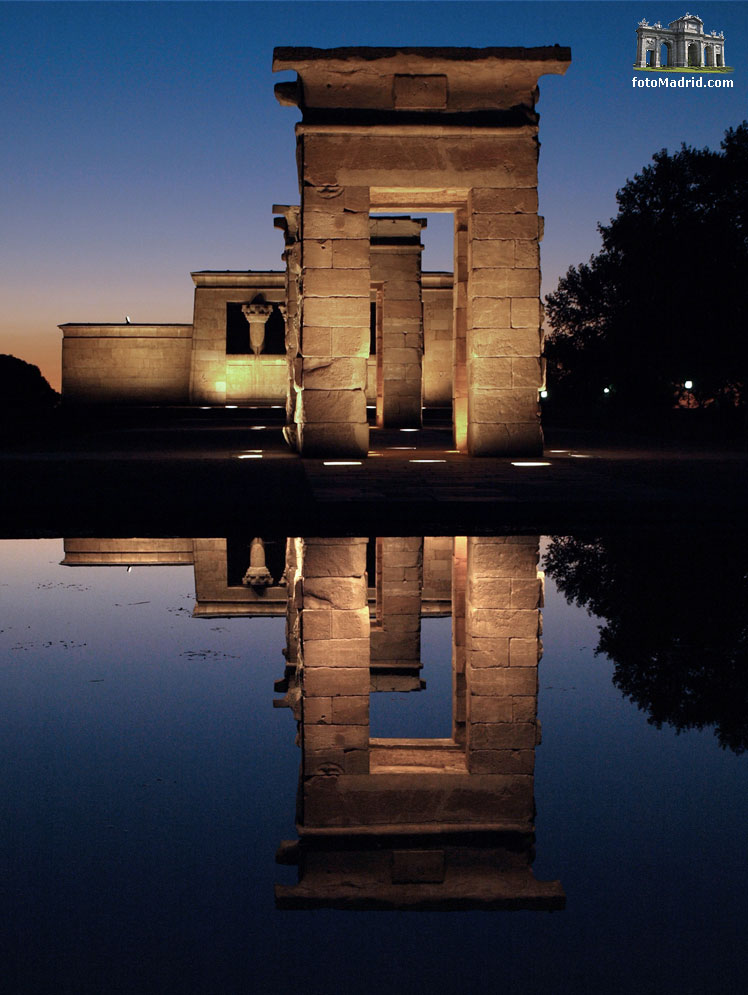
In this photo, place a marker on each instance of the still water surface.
(148, 781)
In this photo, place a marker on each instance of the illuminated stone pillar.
(396, 636)
(396, 273)
(503, 626)
(459, 686)
(459, 336)
(335, 332)
(335, 667)
(504, 343)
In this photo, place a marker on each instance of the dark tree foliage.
(675, 622)
(665, 299)
(23, 386)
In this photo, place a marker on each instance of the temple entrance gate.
(419, 129)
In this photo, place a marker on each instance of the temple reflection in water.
(391, 823)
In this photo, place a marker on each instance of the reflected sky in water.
(147, 782)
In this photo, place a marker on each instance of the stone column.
(257, 317)
(504, 336)
(334, 346)
(459, 686)
(459, 336)
(335, 668)
(680, 53)
(396, 271)
(289, 225)
(503, 625)
(396, 640)
(641, 51)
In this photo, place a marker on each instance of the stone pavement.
(203, 477)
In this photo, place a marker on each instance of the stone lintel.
(441, 199)
(413, 79)
(240, 278)
(434, 128)
(379, 830)
(386, 229)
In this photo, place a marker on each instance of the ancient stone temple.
(354, 322)
(398, 130)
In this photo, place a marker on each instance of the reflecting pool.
(575, 824)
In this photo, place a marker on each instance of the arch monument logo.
(681, 47)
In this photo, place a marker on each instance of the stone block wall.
(396, 638)
(334, 666)
(502, 649)
(126, 364)
(154, 364)
(330, 410)
(437, 339)
(215, 598)
(256, 379)
(503, 310)
(395, 271)
(437, 573)
(215, 377)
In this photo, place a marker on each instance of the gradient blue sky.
(143, 140)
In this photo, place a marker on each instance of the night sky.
(143, 140)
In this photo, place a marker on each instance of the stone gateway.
(354, 321)
(683, 44)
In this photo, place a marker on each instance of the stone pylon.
(418, 129)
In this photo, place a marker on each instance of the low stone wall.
(126, 364)
(188, 364)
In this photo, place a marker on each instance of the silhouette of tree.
(675, 622)
(664, 301)
(23, 386)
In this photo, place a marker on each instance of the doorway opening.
(410, 377)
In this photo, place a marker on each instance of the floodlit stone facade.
(354, 322)
(682, 44)
(211, 362)
(420, 129)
